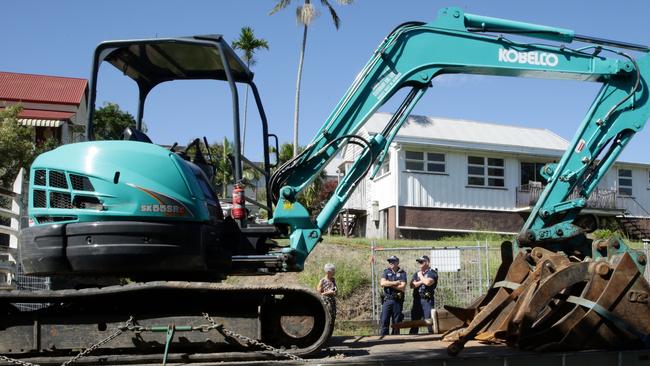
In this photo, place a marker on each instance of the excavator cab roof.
(150, 62)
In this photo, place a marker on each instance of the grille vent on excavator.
(57, 179)
(62, 196)
(39, 198)
(81, 183)
(60, 200)
(39, 177)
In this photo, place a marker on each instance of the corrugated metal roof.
(41, 88)
(422, 129)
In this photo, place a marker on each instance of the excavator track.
(167, 316)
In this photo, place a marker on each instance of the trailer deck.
(390, 350)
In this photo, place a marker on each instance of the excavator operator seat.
(132, 134)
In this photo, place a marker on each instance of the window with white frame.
(425, 161)
(385, 166)
(485, 172)
(625, 182)
(531, 172)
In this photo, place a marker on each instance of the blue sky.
(57, 38)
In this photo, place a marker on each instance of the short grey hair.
(329, 267)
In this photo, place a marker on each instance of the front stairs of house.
(634, 227)
(346, 222)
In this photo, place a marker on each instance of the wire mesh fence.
(30, 283)
(464, 272)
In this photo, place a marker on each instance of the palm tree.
(249, 45)
(223, 175)
(305, 14)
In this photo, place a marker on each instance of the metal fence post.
(645, 251)
(488, 278)
(373, 284)
(480, 262)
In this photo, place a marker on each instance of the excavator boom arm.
(413, 55)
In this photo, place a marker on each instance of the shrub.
(351, 268)
(606, 234)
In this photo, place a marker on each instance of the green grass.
(451, 241)
(493, 240)
(351, 268)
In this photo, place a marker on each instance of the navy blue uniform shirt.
(389, 275)
(420, 290)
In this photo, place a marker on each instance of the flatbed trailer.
(389, 350)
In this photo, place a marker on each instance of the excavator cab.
(151, 62)
(134, 208)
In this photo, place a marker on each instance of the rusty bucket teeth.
(548, 301)
(464, 314)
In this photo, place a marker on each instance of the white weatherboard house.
(445, 176)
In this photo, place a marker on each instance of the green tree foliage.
(286, 152)
(224, 174)
(318, 192)
(17, 147)
(221, 152)
(248, 44)
(109, 122)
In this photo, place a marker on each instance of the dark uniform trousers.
(421, 310)
(391, 311)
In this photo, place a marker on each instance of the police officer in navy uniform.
(393, 281)
(423, 283)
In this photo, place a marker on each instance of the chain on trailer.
(127, 325)
(250, 341)
(131, 326)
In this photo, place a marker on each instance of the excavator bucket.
(544, 300)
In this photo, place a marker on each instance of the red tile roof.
(41, 88)
(43, 114)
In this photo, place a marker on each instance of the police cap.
(424, 258)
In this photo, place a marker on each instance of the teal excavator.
(133, 209)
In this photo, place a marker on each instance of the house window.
(625, 182)
(425, 161)
(485, 172)
(530, 172)
(385, 166)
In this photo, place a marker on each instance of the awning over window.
(40, 122)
